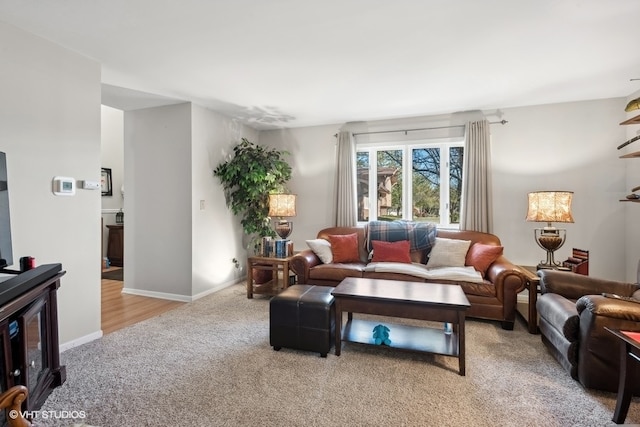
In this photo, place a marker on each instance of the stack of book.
(282, 248)
(275, 248)
(578, 262)
(267, 248)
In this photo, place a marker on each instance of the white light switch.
(91, 185)
(201, 205)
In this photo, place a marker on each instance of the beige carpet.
(209, 363)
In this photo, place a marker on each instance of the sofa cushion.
(468, 274)
(322, 248)
(336, 272)
(391, 251)
(344, 248)
(448, 253)
(481, 256)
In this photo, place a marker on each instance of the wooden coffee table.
(411, 300)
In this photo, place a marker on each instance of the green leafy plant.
(252, 173)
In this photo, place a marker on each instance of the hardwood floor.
(120, 310)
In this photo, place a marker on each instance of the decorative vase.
(262, 276)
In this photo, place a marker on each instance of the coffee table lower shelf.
(404, 337)
(413, 338)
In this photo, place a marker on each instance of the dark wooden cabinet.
(29, 346)
(115, 245)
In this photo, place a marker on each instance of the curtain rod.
(501, 122)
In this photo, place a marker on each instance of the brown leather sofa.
(573, 314)
(494, 298)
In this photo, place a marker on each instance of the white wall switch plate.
(91, 185)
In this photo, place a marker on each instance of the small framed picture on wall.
(105, 182)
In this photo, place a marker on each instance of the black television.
(6, 251)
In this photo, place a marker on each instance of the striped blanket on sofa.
(421, 235)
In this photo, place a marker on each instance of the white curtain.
(346, 213)
(476, 213)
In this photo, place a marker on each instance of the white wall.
(50, 125)
(157, 161)
(631, 210)
(570, 146)
(313, 161)
(112, 157)
(562, 146)
(173, 248)
(217, 233)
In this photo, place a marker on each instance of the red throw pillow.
(391, 251)
(344, 248)
(481, 256)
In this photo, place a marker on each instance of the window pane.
(456, 155)
(362, 162)
(389, 185)
(426, 184)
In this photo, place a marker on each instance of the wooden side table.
(532, 284)
(276, 284)
(629, 355)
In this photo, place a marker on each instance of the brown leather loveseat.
(494, 298)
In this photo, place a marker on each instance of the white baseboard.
(217, 288)
(177, 297)
(79, 341)
(153, 294)
(523, 296)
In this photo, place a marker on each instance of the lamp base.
(283, 228)
(550, 239)
(552, 267)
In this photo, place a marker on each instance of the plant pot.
(262, 276)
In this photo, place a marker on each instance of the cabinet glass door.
(35, 343)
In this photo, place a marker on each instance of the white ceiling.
(289, 63)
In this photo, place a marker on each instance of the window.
(420, 181)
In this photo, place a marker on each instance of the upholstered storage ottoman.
(302, 317)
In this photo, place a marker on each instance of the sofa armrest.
(302, 262)
(609, 307)
(561, 314)
(506, 277)
(573, 286)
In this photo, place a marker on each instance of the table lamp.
(550, 206)
(282, 206)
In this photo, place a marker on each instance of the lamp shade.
(550, 206)
(282, 205)
(634, 104)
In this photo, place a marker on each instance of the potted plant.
(248, 177)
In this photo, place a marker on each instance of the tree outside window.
(429, 190)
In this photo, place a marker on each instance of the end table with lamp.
(281, 206)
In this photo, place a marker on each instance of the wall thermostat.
(64, 186)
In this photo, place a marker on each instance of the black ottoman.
(302, 317)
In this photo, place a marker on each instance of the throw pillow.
(391, 251)
(448, 253)
(481, 256)
(322, 248)
(344, 247)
